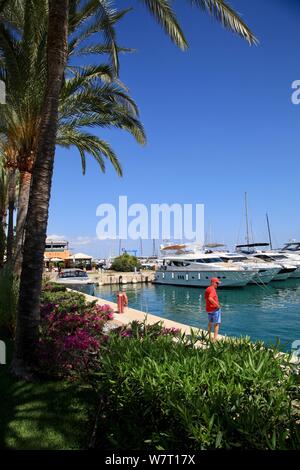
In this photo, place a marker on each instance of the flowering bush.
(71, 333)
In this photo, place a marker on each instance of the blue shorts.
(215, 317)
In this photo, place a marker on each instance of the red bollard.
(125, 300)
(120, 302)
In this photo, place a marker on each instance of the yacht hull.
(264, 276)
(284, 274)
(202, 279)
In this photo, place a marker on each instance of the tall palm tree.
(28, 310)
(89, 98)
(31, 276)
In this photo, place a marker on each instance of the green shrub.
(64, 300)
(9, 291)
(125, 263)
(53, 287)
(161, 394)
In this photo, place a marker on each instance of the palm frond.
(164, 14)
(89, 144)
(227, 16)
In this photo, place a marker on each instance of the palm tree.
(28, 310)
(89, 98)
(31, 276)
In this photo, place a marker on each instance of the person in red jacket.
(213, 308)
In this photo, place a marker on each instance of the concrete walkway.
(131, 314)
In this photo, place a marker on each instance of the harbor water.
(268, 313)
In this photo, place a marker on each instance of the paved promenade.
(131, 314)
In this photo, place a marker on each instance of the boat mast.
(141, 246)
(247, 222)
(269, 231)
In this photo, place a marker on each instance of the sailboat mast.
(269, 231)
(247, 222)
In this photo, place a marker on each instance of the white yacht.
(288, 268)
(286, 260)
(266, 271)
(291, 247)
(73, 276)
(196, 268)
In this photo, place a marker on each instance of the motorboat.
(265, 271)
(287, 267)
(289, 262)
(73, 276)
(194, 267)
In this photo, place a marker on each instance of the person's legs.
(216, 331)
(209, 329)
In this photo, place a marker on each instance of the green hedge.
(162, 395)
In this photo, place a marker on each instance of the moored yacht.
(265, 271)
(287, 267)
(196, 268)
(73, 276)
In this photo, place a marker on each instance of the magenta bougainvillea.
(70, 338)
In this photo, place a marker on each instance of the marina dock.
(131, 314)
(109, 278)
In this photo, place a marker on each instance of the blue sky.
(219, 121)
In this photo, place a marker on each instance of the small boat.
(73, 276)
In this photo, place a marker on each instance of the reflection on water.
(261, 312)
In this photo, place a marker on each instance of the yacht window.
(279, 257)
(209, 260)
(235, 258)
(180, 264)
(264, 257)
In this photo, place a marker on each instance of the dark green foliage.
(64, 300)
(164, 394)
(54, 287)
(125, 263)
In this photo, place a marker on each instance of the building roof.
(54, 241)
(80, 256)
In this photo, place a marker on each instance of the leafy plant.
(158, 393)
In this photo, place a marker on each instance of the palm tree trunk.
(23, 200)
(11, 208)
(25, 354)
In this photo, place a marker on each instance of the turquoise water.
(265, 313)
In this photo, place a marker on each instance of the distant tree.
(125, 263)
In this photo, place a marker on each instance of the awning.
(80, 256)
